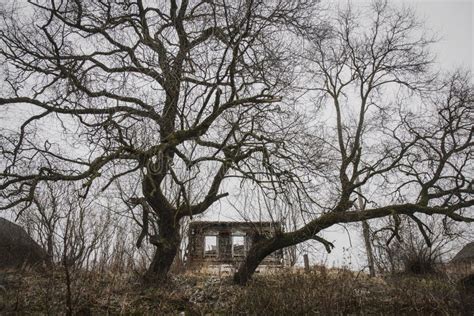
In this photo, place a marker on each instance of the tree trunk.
(161, 264)
(366, 234)
(368, 247)
(306, 262)
(167, 245)
(254, 257)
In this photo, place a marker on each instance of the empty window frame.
(210, 246)
(238, 246)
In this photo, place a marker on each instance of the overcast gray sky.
(452, 21)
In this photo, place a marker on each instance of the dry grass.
(344, 293)
(321, 292)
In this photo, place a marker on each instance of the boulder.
(17, 248)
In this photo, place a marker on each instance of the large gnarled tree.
(179, 94)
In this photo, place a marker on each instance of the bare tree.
(72, 230)
(399, 247)
(178, 94)
(394, 136)
(43, 221)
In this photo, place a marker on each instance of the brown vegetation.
(322, 291)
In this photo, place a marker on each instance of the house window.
(210, 246)
(238, 246)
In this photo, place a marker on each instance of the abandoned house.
(222, 246)
(463, 261)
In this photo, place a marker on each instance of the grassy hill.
(319, 292)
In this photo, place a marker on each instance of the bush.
(419, 260)
(410, 253)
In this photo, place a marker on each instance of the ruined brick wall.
(217, 243)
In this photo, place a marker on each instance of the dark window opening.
(238, 246)
(210, 246)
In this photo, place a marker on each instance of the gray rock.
(17, 248)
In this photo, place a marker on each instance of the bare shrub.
(402, 247)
